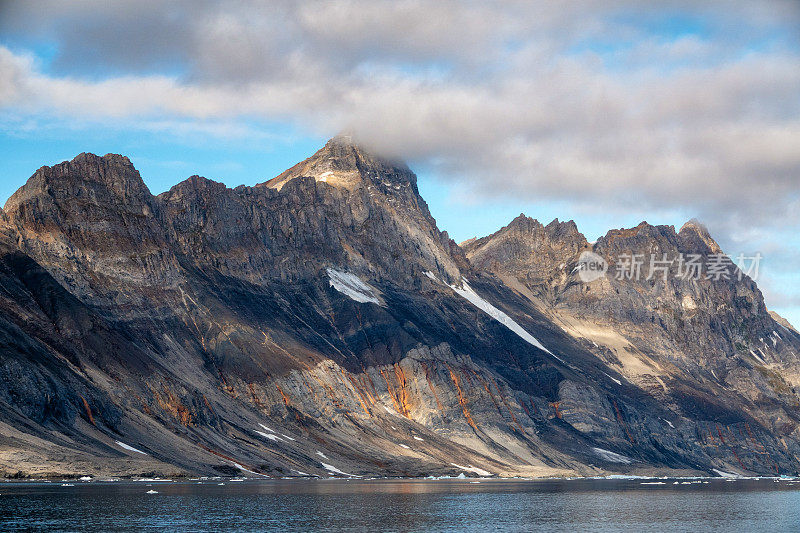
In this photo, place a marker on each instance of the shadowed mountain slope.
(321, 324)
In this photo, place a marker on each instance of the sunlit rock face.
(320, 324)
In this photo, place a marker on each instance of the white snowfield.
(243, 469)
(480, 471)
(612, 457)
(466, 292)
(129, 448)
(269, 436)
(351, 286)
(331, 468)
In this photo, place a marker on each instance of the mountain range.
(320, 324)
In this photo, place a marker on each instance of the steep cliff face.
(321, 324)
(697, 337)
(531, 253)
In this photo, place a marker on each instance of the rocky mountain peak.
(193, 187)
(534, 254)
(345, 163)
(87, 177)
(695, 232)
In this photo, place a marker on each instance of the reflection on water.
(404, 505)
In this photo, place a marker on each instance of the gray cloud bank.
(614, 105)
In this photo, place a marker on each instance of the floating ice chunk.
(466, 291)
(652, 483)
(351, 286)
(85, 478)
(151, 492)
(129, 448)
(611, 457)
(475, 469)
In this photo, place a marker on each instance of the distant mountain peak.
(346, 163)
(85, 172)
(694, 229)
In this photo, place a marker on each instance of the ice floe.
(351, 286)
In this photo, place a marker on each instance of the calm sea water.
(407, 505)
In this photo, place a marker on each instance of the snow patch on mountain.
(611, 457)
(129, 448)
(468, 293)
(480, 471)
(351, 286)
(331, 468)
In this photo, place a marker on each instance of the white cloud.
(583, 103)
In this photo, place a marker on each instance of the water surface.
(404, 505)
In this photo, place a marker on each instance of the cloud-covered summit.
(681, 107)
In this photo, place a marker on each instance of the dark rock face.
(706, 347)
(321, 324)
(532, 253)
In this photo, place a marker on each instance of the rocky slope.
(704, 345)
(321, 324)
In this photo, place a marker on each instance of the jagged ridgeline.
(321, 324)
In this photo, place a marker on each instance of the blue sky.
(607, 115)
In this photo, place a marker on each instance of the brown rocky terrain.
(321, 324)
